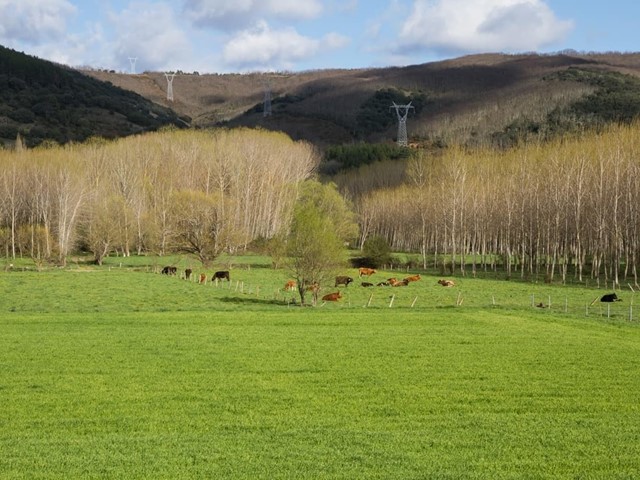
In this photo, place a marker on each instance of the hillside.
(42, 101)
(491, 98)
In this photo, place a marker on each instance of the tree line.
(564, 209)
(198, 192)
(569, 208)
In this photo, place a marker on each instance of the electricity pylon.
(402, 121)
(169, 77)
(132, 61)
(267, 100)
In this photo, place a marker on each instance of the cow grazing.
(203, 278)
(413, 278)
(366, 284)
(290, 286)
(187, 274)
(168, 270)
(332, 297)
(366, 271)
(221, 275)
(447, 283)
(343, 280)
(610, 297)
(313, 287)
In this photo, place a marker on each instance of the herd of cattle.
(344, 280)
(290, 285)
(221, 275)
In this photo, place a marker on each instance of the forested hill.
(43, 101)
(481, 99)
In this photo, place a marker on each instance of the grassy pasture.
(119, 372)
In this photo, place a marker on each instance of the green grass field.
(119, 372)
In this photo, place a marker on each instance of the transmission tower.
(402, 111)
(132, 61)
(267, 100)
(169, 77)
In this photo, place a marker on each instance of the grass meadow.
(120, 372)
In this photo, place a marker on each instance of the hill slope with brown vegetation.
(487, 99)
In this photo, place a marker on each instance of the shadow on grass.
(254, 301)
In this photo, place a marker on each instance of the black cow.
(366, 284)
(169, 270)
(343, 280)
(221, 275)
(187, 273)
(610, 297)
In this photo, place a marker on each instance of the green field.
(120, 372)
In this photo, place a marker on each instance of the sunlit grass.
(206, 382)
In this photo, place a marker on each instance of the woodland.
(562, 210)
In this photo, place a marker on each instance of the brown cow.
(400, 283)
(413, 278)
(366, 271)
(290, 285)
(313, 287)
(332, 297)
(447, 283)
(203, 278)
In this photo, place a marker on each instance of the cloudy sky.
(265, 35)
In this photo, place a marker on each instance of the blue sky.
(224, 36)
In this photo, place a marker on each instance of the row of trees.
(198, 192)
(568, 207)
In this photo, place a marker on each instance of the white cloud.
(226, 15)
(148, 31)
(458, 26)
(296, 9)
(33, 21)
(262, 47)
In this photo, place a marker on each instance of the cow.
(366, 284)
(383, 284)
(400, 283)
(366, 271)
(332, 297)
(290, 286)
(313, 287)
(610, 297)
(221, 275)
(168, 270)
(413, 278)
(447, 283)
(203, 278)
(187, 274)
(343, 280)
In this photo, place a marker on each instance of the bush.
(377, 250)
